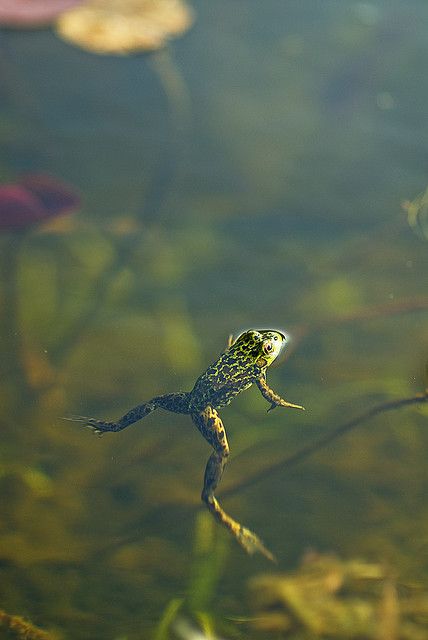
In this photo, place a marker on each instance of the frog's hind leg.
(175, 402)
(211, 427)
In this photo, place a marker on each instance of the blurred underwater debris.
(327, 597)
(417, 214)
(18, 627)
(124, 26)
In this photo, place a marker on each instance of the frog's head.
(263, 346)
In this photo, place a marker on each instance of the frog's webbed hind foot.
(248, 540)
(252, 543)
(98, 426)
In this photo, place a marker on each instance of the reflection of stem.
(23, 102)
(10, 313)
(380, 310)
(175, 88)
(303, 453)
(170, 163)
(300, 331)
(179, 113)
(95, 300)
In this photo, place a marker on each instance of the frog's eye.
(267, 347)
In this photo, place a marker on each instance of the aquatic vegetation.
(327, 597)
(23, 629)
(210, 553)
(124, 26)
(209, 562)
(24, 205)
(168, 617)
(34, 199)
(185, 631)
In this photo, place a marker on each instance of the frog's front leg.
(210, 425)
(272, 397)
(175, 402)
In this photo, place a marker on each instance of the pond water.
(250, 175)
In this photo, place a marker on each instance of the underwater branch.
(304, 452)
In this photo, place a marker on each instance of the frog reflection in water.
(243, 363)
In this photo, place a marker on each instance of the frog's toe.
(297, 406)
(97, 426)
(290, 405)
(252, 544)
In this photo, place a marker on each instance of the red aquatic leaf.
(18, 208)
(56, 197)
(21, 14)
(33, 199)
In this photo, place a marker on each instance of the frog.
(243, 363)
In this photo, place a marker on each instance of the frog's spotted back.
(242, 364)
(245, 362)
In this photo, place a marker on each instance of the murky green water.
(251, 175)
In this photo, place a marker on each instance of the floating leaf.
(124, 26)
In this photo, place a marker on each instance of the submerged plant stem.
(20, 628)
(288, 460)
(390, 309)
(301, 454)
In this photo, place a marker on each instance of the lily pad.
(124, 26)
